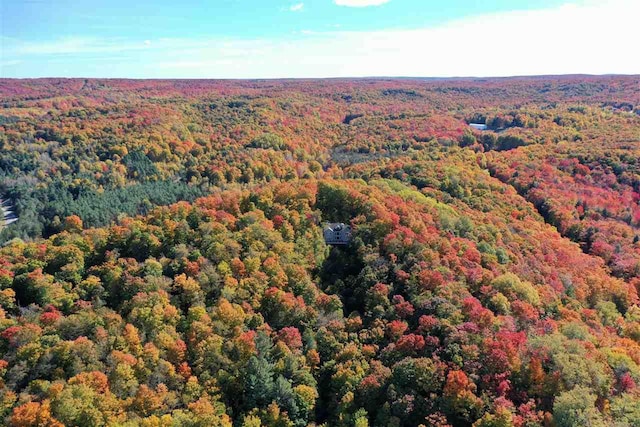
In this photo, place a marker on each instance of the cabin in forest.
(337, 233)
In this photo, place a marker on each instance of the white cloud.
(296, 7)
(360, 3)
(10, 63)
(87, 45)
(589, 37)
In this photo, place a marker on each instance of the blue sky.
(315, 38)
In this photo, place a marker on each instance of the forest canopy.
(168, 265)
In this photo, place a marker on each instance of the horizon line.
(372, 77)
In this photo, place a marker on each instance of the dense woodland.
(168, 266)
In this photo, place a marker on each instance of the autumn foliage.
(169, 267)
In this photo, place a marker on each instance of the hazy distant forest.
(168, 267)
